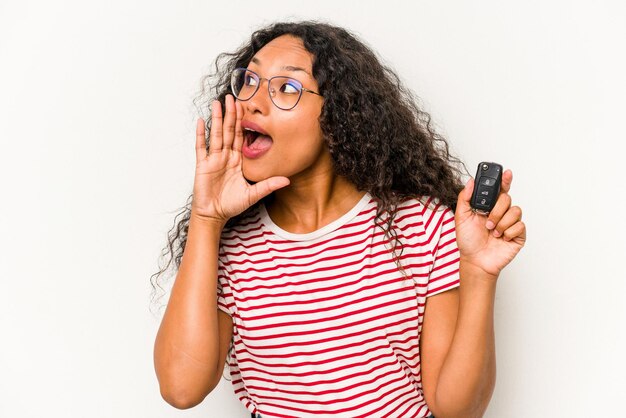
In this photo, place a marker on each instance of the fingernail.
(489, 225)
(496, 233)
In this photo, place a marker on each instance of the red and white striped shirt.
(324, 323)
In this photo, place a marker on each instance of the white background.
(97, 155)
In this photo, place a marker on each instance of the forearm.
(186, 348)
(467, 377)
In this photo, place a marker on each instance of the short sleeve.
(444, 274)
(224, 293)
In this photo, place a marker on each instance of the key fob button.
(485, 191)
(488, 181)
(482, 201)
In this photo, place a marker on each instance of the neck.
(312, 201)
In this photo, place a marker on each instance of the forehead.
(284, 53)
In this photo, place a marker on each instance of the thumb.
(261, 189)
(463, 203)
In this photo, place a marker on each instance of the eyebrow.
(286, 67)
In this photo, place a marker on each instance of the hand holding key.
(489, 242)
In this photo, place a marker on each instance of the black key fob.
(486, 187)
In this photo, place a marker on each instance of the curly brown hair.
(379, 139)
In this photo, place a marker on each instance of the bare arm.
(194, 336)
(458, 347)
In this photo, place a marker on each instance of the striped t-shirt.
(324, 323)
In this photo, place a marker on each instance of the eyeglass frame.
(269, 80)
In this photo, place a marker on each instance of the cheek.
(295, 154)
(306, 130)
(288, 156)
(303, 144)
(297, 146)
(300, 134)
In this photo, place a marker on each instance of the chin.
(255, 175)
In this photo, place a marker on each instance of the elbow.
(179, 401)
(464, 404)
(184, 393)
(182, 383)
(183, 399)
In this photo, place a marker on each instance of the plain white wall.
(97, 155)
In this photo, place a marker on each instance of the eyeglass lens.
(284, 91)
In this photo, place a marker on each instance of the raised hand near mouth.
(220, 190)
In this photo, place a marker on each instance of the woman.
(329, 246)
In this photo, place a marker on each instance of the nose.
(260, 102)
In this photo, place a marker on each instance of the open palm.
(220, 190)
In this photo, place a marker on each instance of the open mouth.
(250, 136)
(256, 140)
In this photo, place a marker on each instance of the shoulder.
(422, 208)
(422, 220)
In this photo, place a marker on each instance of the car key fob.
(486, 187)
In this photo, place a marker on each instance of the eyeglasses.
(285, 92)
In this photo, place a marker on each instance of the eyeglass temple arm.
(311, 91)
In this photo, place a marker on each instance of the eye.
(290, 87)
(250, 80)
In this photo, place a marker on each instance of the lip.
(253, 153)
(250, 125)
(245, 149)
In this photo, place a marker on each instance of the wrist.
(206, 222)
(470, 272)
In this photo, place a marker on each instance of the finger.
(500, 208)
(200, 141)
(229, 122)
(238, 131)
(463, 208)
(513, 215)
(515, 232)
(507, 179)
(261, 189)
(215, 136)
